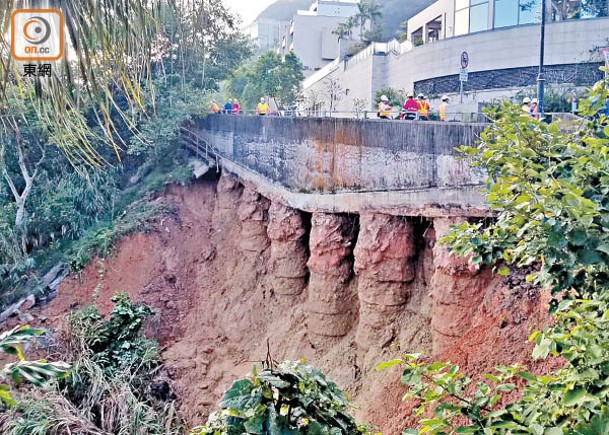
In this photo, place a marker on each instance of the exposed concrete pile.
(383, 262)
(332, 303)
(289, 252)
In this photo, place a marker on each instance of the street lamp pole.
(540, 77)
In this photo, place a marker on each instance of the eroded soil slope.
(233, 269)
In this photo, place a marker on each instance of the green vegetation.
(290, 398)
(367, 22)
(396, 96)
(56, 205)
(549, 189)
(268, 76)
(34, 372)
(110, 388)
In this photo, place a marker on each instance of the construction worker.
(422, 108)
(384, 108)
(526, 106)
(214, 107)
(262, 107)
(442, 108)
(228, 107)
(535, 108)
(410, 107)
(236, 107)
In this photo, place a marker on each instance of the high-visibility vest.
(384, 109)
(443, 111)
(535, 111)
(262, 108)
(214, 108)
(423, 108)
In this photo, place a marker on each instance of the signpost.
(463, 75)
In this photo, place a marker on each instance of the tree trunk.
(28, 178)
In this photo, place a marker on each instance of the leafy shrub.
(109, 388)
(116, 344)
(291, 398)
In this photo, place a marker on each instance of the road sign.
(463, 75)
(464, 60)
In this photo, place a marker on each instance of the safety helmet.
(526, 100)
(421, 96)
(262, 100)
(384, 98)
(444, 97)
(534, 100)
(410, 95)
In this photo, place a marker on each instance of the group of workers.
(412, 109)
(530, 107)
(231, 107)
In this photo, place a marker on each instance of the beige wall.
(567, 42)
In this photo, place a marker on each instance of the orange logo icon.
(37, 34)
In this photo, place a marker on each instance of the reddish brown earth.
(233, 269)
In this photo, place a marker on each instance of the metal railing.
(468, 117)
(456, 116)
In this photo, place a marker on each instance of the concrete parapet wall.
(327, 155)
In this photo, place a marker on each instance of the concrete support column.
(253, 214)
(288, 263)
(383, 264)
(457, 291)
(332, 299)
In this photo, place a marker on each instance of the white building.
(310, 33)
(266, 33)
(501, 38)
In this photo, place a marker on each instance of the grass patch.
(111, 388)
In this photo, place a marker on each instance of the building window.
(514, 12)
(462, 17)
(575, 9)
(594, 8)
(506, 13)
(478, 16)
(470, 16)
(529, 11)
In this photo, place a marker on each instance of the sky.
(248, 9)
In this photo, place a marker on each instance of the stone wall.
(328, 155)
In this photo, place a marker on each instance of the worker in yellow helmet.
(214, 107)
(384, 108)
(423, 108)
(262, 107)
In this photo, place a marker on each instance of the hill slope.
(284, 9)
(397, 11)
(394, 12)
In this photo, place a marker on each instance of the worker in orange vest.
(422, 108)
(442, 108)
(214, 107)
